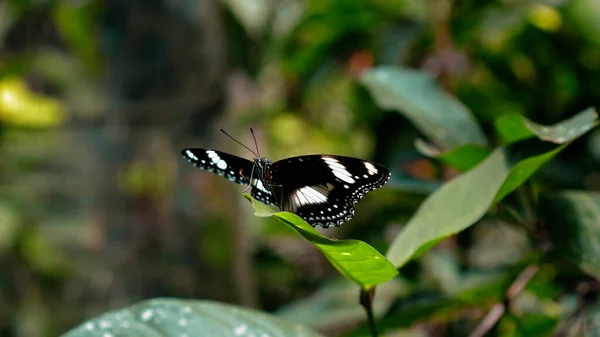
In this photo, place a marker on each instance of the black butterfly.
(321, 189)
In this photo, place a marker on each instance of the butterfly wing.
(322, 189)
(234, 168)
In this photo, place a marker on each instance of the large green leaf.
(452, 208)
(512, 128)
(354, 259)
(461, 202)
(180, 318)
(572, 219)
(441, 117)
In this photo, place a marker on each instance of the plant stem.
(366, 299)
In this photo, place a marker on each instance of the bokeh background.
(97, 98)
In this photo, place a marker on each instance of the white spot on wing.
(310, 195)
(191, 155)
(371, 168)
(222, 164)
(339, 170)
(300, 198)
(259, 185)
(316, 195)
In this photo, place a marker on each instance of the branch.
(497, 311)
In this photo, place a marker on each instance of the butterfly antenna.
(235, 140)
(255, 143)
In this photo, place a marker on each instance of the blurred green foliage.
(463, 101)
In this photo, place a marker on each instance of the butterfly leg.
(249, 181)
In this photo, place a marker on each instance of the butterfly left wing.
(234, 168)
(322, 189)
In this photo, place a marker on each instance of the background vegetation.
(99, 212)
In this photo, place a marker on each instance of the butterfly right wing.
(322, 189)
(233, 168)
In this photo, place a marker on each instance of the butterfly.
(321, 189)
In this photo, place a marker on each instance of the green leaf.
(461, 202)
(572, 219)
(462, 158)
(529, 324)
(583, 15)
(524, 163)
(513, 127)
(253, 15)
(76, 21)
(9, 227)
(567, 130)
(452, 208)
(354, 259)
(164, 317)
(441, 117)
(8, 15)
(465, 157)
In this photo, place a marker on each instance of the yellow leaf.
(20, 106)
(545, 18)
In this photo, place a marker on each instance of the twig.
(489, 320)
(366, 299)
(519, 284)
(497, 311)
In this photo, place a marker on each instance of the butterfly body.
(321, 189)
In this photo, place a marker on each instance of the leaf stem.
(366, 299)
